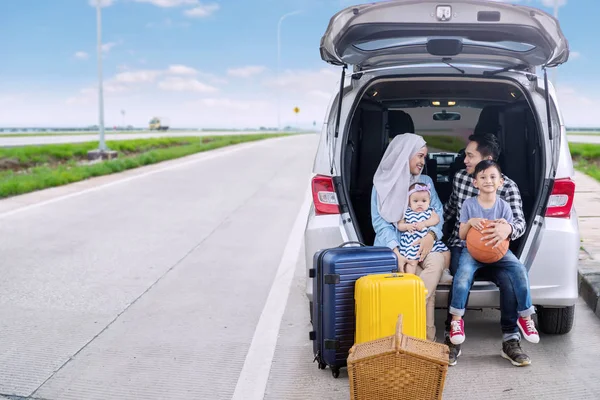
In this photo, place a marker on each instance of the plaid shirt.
(462, 189)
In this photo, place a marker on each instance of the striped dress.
(408, 251)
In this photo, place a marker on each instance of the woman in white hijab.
(399, 168)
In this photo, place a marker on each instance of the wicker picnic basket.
(397, 367)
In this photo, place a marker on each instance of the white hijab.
(393, 178)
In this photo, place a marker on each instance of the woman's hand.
(425, 245)
(401, 260)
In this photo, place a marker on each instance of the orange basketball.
(482, 253)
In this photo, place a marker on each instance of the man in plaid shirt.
(481, 147)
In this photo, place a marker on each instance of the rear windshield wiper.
(447, 62)
(517, 67)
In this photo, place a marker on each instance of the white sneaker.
(446, 278)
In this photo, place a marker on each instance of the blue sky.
(207, 63)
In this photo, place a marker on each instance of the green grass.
(56, 165)
(77, 133)
(446, 143)
(591, 152)
(586, 158)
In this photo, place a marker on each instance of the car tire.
(555, 321)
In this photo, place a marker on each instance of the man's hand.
(425, 245)
(496, 232)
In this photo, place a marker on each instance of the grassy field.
(29, 168)
(445, 143)
(586, 158)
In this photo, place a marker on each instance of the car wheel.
(555, 321)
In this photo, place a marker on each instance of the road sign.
(296, 110)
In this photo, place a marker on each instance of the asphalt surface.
(584, 138)
(185, 280)
(13, 141)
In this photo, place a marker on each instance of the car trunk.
(394, 106)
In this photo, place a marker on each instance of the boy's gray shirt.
(472, 209)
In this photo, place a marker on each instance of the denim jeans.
(508, 300)
(468, 266)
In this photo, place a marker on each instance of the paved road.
(182, 281)
(36, 140)
(584, 139)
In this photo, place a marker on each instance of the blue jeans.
(508, 300)
(468, 266)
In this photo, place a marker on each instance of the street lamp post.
(279, 62)
(102, 145)
(102, 152)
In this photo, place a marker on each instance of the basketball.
(482, 253)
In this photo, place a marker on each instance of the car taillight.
(561, 199)
(324, 196)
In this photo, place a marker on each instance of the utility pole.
(102, 152)
(100, 86)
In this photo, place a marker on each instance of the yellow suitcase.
(380, 298)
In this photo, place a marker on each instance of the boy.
(487, 206)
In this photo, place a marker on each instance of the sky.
(209, 63)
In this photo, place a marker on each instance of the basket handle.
(398, 336)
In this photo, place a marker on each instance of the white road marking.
(252, 382)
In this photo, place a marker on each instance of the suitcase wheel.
(322, 365)
(335, 372)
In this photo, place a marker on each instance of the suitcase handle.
(352, 242)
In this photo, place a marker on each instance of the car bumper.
(322, 232)
(552, 274)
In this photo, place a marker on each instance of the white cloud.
(203, 10)
(106, 47)
(103, 3)
(178, 84)
(230, 104)
(169, 3)
(246, 72)
(320, 94)
(141, 76)
(167, 24)
(575, 105)
(82, 55)
(180, 97)
(181, 70)
(323, 80)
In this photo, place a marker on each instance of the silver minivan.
(446, 70)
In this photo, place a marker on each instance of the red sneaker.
(457, 332)
(527, 327)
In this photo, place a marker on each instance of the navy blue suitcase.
(335, 272)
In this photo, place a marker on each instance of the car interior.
(489, 108)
